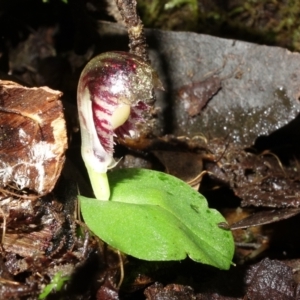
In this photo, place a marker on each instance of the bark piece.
(33, 137)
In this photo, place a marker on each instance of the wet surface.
(255, 98)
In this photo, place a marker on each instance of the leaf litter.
(241, 141)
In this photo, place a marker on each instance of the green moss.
(170, 15)
(272, 22)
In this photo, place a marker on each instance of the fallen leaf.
(255, 99)
(171, 291)
(270, 279)
(265, 217)
(184, 165)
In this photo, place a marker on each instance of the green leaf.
(155, 216)
(56, 284)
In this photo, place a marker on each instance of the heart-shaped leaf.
(155, 216)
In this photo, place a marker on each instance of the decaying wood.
(33, 137)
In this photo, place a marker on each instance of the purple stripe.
(97, 107)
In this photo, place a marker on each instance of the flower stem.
(99, 183)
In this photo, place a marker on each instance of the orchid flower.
(114, 94)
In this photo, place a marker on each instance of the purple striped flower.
(114, 93)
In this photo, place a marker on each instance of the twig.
(4, 226)
(121, 270)
(26, 197)
(137, 40)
